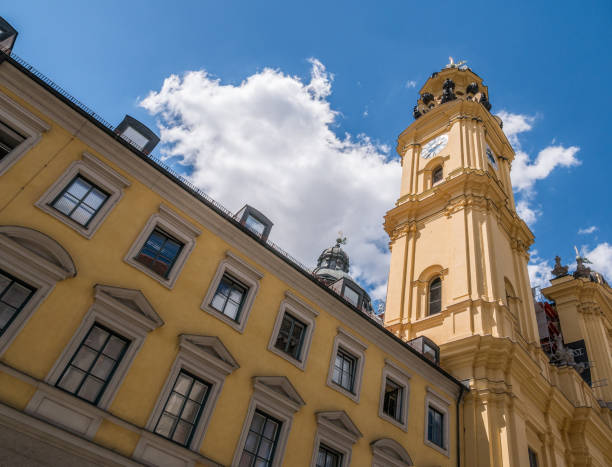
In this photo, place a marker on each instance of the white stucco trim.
(277, 397)
(247, 275)
(337, 431)
(356, 348)
(128, 322)
(37, 260)
(98, 173)
(207, 358)
(26, 123)
(441, 404)
(397, 375)
(303, 312)
(174, 224)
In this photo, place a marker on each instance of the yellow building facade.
(141, 323)
(458, 275)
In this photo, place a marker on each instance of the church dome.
(333, 263)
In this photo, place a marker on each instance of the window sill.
(354, 397)
(294, 361)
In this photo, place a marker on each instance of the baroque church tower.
(458, 275)
(458, 248)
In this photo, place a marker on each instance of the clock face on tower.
(436, 145)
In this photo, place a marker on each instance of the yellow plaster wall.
(100, 260)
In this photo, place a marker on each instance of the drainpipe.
(461, 391)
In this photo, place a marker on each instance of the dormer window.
(351, 295)
(255, 221)
(135, 137)
(138, 134)
(253, 224)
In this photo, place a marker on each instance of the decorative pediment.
(280, 389)
(38, 249)
(339, 424)
(389, 453)
(131, 303)
(211, 350)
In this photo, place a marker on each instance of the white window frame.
(336, 430)
(26, 123)
(173, 224)
(131, 324)
(276, 396)
(355, 348)
(99, 174)
(435, 400)
(207, 358)
(243, 272)
(397, 375)
(32, 266)
(304, 313)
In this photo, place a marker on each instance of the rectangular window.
(93, 364)
(182, 411)
(80, 200)
(344, 370)
(159, 252)
(533, 458)
(290, 336)
(351, 295)
(261, 441)
(229, 297)
(14, 294)
(392, 404)
(435, 427)
(255, 225)
(9, 139)
(328, 457)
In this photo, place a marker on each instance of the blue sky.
(546, 65)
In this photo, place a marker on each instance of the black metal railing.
(175, 175)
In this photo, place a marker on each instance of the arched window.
(435, 296)
(436, 175)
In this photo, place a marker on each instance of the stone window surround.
(174, 224)
(243, 272)
(387, 452)
(205, 357)
(435, 400)
(422, 288)
(331, 433)
(116, 316)
(307, 315)
(393, 372)
(276, 396)
(96, 172)
(25, 123)
(34, 269)
(354, 347)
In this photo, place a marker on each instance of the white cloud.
(527, 171)
(539, 271)
(515, 124)
(411, 83)
(587, 230)
(526, 212)
(268, 141)
(601, 257)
